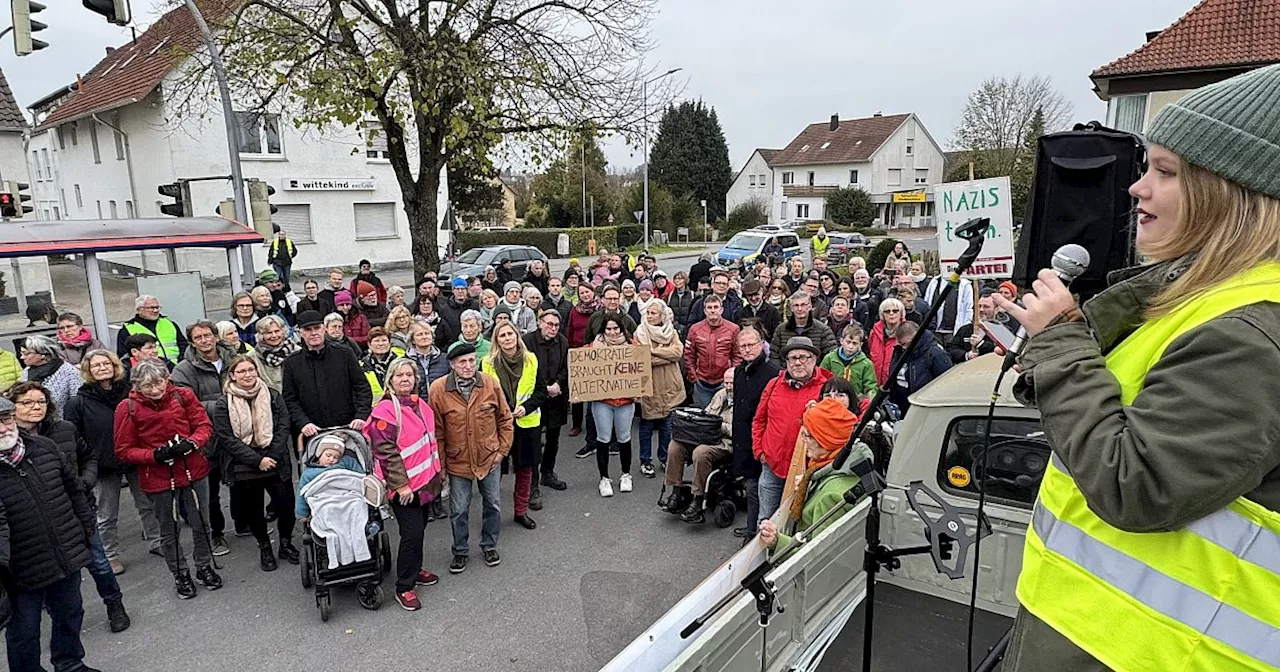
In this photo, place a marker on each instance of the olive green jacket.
(1203, 431)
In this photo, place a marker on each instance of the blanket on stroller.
(339, 515)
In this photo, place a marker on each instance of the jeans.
(646, 438)
(100, 570)
(551, 449)
(411, 519)
(460, 506)
(615, 420)
(283, 271)
(246, 503)
(166, 504)
(703, 392)
(22, 638)
(753, 505)
(108, 496)
(771, 487)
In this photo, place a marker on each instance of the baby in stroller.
(333, 502)
(330, 454)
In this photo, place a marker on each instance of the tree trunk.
(420, 208)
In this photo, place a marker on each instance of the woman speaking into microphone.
(1155, 541)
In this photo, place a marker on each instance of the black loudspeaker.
(1080, 194)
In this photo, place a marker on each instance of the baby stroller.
(366, 575)
(725, 493)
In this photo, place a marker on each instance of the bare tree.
(441, 78)
(999, 114)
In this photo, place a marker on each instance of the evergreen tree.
(558, 192)
(850, 206)
(691, 158)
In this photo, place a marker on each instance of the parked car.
(745, 246)
(473, 261)
(845, 245)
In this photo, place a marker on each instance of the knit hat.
(510, 286)
(1231, 128)
(646, 284)
(268, 276)
(342, 297)
(363, 288)
(830, 423)
(573, 261)
(459, 282)
(751, 287)
(1013, 289)
(331, 442)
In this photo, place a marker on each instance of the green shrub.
(543, 239)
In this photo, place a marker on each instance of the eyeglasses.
(891, 310)
(151, 307)
(799, 359)
(7, 419)
(32, 403)
(244, 305)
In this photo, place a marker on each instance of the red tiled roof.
(131, 72)
(11, 118)
(854, 141)
(1213, 34)
(767, 155)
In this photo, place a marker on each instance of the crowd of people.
(462, 381)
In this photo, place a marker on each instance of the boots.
(268, 558)
(287, 552)
(677, 500)
(694, 514)
(117, 617)
(535, 496)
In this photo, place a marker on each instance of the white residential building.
(105, 147)
(14, 157)
(893, 158)
(754, 182)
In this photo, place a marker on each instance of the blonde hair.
(88, 359)
(1230, 228)
(394, 317)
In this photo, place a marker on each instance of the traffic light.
(24, 26)
(116, 11)
(181, 195)
(7, 208)
(260, 208)
(13, 199)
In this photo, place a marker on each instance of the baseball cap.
(459, 282)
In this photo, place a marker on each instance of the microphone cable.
(982, 502)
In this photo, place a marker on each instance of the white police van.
(745, 246)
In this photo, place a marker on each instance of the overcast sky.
(770, 67)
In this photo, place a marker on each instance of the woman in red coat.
(575, 330)
(164, 430)
(882, 341)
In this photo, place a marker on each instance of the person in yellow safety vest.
(1154, 543)
(820, 243)
(380, 356)
(281, 253)
(517, 372)
(148, 320)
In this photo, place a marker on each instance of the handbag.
(695, 427)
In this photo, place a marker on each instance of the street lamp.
(644, 104)
(706, 237)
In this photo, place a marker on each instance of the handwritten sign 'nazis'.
(613, 372)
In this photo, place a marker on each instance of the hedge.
(543, 239)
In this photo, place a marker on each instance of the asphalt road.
(567, 597)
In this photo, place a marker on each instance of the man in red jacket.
(710, 350)
(777, 422)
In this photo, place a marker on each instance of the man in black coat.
(701, 269)
(323, 385)
(756, 308)
(452, 307)
(749, 381)
(45, 526)
(552, 350)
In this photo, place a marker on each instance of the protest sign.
(959, 202)
(611, 372)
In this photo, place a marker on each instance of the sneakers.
(220, 547)
(267, 559)
(526, 522)
(551, 480)
(244, 531)
(156, 550)
(209, 578)
(426, 578)
(535, 497)
(184, 585)
(743, 532)
(585, 451)
(624, 483)
(574, 431)
(408, 600)
(606, 488)
(459, 564)
(288, 553)
(647, 471)
(492, 558)
(117, 567)
(117, 617)
(614, 448)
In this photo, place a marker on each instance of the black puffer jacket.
(451, 312)
(92, 412)
(45, 519)
(749, 381)
(681, 303)
(553, 367)
(239, 460)
(72, 447)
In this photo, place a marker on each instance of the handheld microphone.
(1069, 262)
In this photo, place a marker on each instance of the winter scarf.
(830, 423)
(380, 366)
(662, 334)
(464, 385)
(509, 371)
(12, 456)
(588, 307)
(250, 412)
(81, 339)
(39, 372)
(274, 357)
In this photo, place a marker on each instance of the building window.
(79, 199)
(853, 177)
(802, 211)
(1130, 113)
(48, 165)
(35, 165)
(753, 180)
(93, 138)
(62, 137)
(57, 213)
(258, 133)
(922, 176)
(909, 149)
(895, 177)
(115, 214)
(119, 144)
(99, 209)
(762, 178)
(375, 220)
(74, 130)
(375, 140)
(128, 210)
(788, 178)
(908, 209)
(295, 220)
(811, 178)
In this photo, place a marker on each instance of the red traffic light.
(6, 199)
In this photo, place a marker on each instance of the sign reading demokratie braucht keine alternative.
(959, 202)
(612, 372)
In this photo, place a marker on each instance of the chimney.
(1151, 34)
(110, 50)
(835, 121)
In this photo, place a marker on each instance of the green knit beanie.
(1231, 128)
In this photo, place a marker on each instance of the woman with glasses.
(244, 317)
(44, 364)
(34, 415)
(884, 337)
(274, 345)
(75, 339)
(613, 417)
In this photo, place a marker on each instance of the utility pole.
(644, 108)
(583, 140)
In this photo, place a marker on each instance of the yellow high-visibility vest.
(1205, 597)
(524, 388)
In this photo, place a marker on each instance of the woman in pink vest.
(402, 430)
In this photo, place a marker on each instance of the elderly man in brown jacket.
(474, 427)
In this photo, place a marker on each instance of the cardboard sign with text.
(957, 203)
(613, 372)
